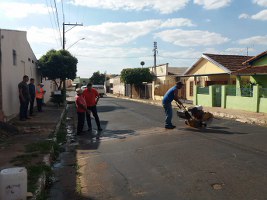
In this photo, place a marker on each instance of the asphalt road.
(137, 158)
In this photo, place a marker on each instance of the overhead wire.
(62, 7)
(113, 57)
(51, 22)
(58, 22)
(178, 58)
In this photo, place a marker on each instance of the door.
(217, 96)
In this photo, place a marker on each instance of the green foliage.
(58, 65)
(97, 78)
(136, 76)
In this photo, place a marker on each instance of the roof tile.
(231, 62)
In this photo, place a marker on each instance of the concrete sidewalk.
(38, 128)
(238, 115)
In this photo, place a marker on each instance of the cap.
(179, 83)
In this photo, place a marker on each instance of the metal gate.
(217, 96)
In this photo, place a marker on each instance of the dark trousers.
(23, 111)
(31, 105)
(39, 104)
(81, 118)
(88, 117)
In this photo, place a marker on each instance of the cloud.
(244, 16)
(42, 36)
(177, 22)
(105, 34)
(238, 51)
(164, 7)
(262, 15)
(120, 33)
(255, 40)
(114, 34)
(212, 4)
(260, 2)
(22, 10)
(191, 38)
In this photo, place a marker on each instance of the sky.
(117, 34)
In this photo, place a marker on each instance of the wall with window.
(18, 60)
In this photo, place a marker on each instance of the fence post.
(223, 105)
(256, 97)
(238, 86)
(195, 94)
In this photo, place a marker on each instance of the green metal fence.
(203, 90)
(231, 90)
(246, 92)
(263, 92)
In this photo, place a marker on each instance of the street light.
(75, 43)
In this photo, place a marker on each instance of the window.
(14, 57)
(191, 92)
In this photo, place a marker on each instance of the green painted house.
(257, 69)
(248, 91)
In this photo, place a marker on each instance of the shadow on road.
(108, 108)
(214, 130)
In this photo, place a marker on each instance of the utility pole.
(73, 25)
(155, 56)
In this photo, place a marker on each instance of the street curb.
(47, 160)
(238, 118)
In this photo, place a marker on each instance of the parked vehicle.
(99, 88)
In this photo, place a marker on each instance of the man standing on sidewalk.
(91, 97)
(81, 109)
(40, 96)
(32, 94)
(24, 98)
(171, 94)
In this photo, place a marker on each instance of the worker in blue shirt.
(171, 94)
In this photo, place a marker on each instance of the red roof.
(231, 62)
(255, 58)
(252, 70)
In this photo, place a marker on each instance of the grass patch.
(33, 158)
(61, 135)
(34, 172)
(42, 147)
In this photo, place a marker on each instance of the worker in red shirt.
(91, 97)
(81, 110)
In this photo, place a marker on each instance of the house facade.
(213, 69)
(16, 60)
(166, 77)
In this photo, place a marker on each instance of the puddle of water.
(57, 165)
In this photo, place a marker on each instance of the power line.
(62, 6)
(177, 58)
(113, 57)
(58, 21)
(51, 21)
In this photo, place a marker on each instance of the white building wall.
(12, 74)
(118, 86)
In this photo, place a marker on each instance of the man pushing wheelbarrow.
(194, 116)
(171, 94)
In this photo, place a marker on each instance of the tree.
(142, 63)
(136, 76)
(58, 65)
(97, 78)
